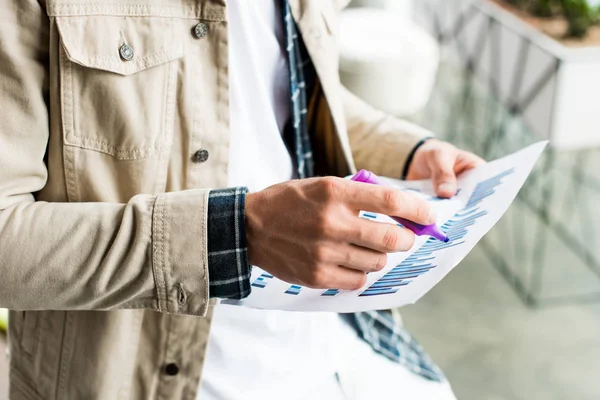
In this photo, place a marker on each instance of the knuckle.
(348, 258)
(391, 199)
(320, 254)
(318, 277)
(380, 262)
(358, 282)
(311, 277)
(356, 231)
(407, 241)
(330, 186)
(390, 240)
(447, 174)
(422, 209)
(415, 207)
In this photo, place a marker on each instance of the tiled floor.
(492, 347)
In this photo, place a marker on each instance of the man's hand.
(308, 231)
(443, 163)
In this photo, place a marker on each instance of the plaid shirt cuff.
(228, 268)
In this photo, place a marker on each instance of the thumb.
(444, 178)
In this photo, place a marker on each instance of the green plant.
(579, 14)
(541, 8)
(546, 8)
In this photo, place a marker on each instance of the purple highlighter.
(418, 229)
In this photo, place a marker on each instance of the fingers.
(328, 275)
(467, 161)
(442, 172)
(388, 201)
(360, 258)
(331, 276)
(347, 279)
(380, 237)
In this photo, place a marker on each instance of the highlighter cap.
(367, 177)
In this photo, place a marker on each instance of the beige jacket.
(103, 205)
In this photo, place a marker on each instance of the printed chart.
(484, 196)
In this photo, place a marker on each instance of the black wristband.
(411, 156)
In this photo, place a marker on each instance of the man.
(119, 121)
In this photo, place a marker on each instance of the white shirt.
(256, 354)
(274, 355)
(259, 95)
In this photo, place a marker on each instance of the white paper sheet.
(483, 197)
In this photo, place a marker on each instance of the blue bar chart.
(485, 194)
(294, 290)
(262, 280)
(421, 261)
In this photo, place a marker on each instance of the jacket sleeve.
(151, 252)
(380, 142)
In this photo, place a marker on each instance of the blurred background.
(519, 319)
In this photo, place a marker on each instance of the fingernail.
(432, 216)
(447, 187)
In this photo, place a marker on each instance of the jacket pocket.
(118, 82)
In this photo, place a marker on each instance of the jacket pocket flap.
(123, 45)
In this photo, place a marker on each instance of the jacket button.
(200, 156)
(126, 52)
(200, 30)
(172, 369)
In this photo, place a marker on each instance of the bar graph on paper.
(484, 196)
(422, 260)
